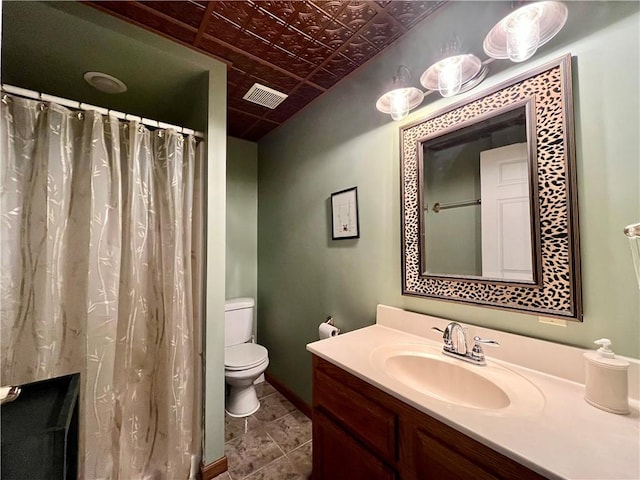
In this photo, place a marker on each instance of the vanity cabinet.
(360, 432)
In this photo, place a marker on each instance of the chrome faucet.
(455, 344)
(455, 338)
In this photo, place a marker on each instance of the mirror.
(477, 199)
(466, 240)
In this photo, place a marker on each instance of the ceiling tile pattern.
(301, 48)
(189, 13)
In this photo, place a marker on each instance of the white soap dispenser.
(606, 379)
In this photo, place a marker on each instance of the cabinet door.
(348, 401)
(338, 456)
(441, 453)
(435, 461)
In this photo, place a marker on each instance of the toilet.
(244, 361)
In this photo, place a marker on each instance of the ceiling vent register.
(265, 96)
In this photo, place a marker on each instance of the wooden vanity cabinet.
(349, 459)
(362, 433)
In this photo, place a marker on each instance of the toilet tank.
(238, 321)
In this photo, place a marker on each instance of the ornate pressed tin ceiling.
(300, 48)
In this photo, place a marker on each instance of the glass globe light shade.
(399, 103)
(449, 76)
(454, 74)
(518, 35)
(523, 33)
(400, 97)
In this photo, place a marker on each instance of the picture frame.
(345, 222)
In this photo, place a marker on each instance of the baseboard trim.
(288, 394)
(212, 470)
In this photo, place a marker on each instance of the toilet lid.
(244, 356)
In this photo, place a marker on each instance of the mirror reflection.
(476, 199)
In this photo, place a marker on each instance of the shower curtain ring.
(5, 99)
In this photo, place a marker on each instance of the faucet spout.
(455, 338)
(460, 343)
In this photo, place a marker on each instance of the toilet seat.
(244, 356)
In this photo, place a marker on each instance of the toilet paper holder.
(330, 321)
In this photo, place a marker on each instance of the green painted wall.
(50, 70)
(342, 141)
(242, 219)
(47, 46)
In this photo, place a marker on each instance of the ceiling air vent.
(265, 96)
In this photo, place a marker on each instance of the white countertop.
(567, 438)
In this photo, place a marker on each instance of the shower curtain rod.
(32, 94)
(443, 206)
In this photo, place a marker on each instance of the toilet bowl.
(243, 364)
(244, 361)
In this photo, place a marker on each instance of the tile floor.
(272, 444)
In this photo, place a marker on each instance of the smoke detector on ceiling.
(105, 83)
(265, 96)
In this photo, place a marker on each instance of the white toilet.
(244, 361)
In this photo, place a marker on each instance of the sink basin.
(492, 388)
(447, 381)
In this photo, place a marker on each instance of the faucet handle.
(476, 352)
(493, 343)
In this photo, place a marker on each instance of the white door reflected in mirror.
(505, 207)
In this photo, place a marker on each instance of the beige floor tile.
(290, 431)
(223, 476)
(237, 427)
(281, 469)
(263, 389)
(272, 407)
(250, 452)
(301, 458)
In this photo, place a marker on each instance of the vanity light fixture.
(400, 97)
(518, 35)
(454, 73)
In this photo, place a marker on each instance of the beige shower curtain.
(96, 258)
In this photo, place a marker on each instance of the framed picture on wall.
(344, 214)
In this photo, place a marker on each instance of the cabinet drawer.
(346, 399)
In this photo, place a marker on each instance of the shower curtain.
(96, 276)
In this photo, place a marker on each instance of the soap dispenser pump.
(604, 349)
(606, 379)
